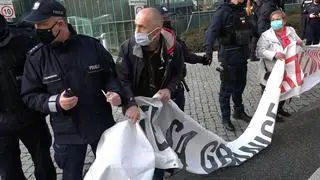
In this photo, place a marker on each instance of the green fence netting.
(113, 20)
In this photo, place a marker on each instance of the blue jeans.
(70, 158)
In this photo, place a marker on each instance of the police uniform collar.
(64, 44)
(73, 36)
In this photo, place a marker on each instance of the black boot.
(240, 114)
(279, 119)
(284, 113)
(228, 125)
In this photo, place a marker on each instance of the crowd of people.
(75, 80)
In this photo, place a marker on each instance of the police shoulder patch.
(35, 49)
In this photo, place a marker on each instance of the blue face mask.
(143, 38)
(277, 24)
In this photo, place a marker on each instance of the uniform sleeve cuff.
(52, 103)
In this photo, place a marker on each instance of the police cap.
(44, 9)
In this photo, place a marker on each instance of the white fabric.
(175, 140)
(123, 153)
(303, 70)
(178, 141)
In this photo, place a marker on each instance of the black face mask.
(45, 35)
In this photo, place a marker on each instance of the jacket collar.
(272, 34)
(168, 44)
(73, 35)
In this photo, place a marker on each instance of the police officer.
(231, 28)
(304, 18)
(72, 78)
(189, 57)
(17, 122)
(313, 13)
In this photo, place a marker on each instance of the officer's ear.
(62, 23)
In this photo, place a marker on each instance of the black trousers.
(179, 98)
(281, 103)
(233, 82)
(37, 139)
(70, 158)
(253, 46)
(313, 35)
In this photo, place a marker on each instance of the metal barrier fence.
(112, 21)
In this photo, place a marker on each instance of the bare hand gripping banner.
(178, 141)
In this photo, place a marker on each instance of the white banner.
(123, 153)
(178, 141)
(171, 132)
(302, 70)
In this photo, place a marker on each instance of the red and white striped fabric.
(302, 70)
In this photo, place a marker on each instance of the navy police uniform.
(83, 65)
(231, 28)
(313, 27)
(304, 18)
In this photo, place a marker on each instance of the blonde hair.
(249, 7)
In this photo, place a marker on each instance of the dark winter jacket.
(14, 46)
(263, 12)
(82, 64)
(130, 64)
(231, 27)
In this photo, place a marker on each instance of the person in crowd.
(281, 4)
(189, 57)
(149, 63)
(72, 78)
(270, 48)
(304, 18)
(313, 13)
(231, 27)
(251, 12)
(17, 122)
(263, 10)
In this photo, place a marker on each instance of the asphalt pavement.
(293, 154)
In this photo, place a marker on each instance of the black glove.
(207, 59)
(69, 93)
(254, 59)
(224, 75)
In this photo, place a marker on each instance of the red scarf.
(285, 41)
